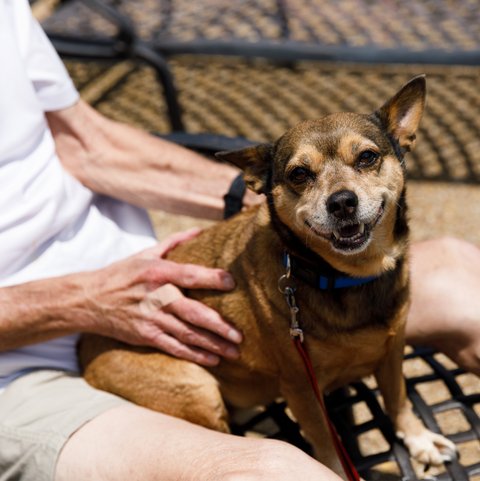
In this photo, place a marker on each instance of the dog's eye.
(298, 175)
(367, 158)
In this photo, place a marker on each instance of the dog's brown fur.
(350, 332)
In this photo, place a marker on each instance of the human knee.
(448, 247)
(452, 245)
(460, 273)
(284, 462)
(275, 453)
(446, 265)
(249, 459)
(456, 251)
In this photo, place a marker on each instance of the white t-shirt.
(50, 224)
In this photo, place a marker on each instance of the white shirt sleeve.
(53, 86)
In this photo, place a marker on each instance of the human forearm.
(124, 162)
(41, 310)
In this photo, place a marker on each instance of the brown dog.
(336, 212)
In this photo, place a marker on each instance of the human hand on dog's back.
(124, 301)
(127, 301)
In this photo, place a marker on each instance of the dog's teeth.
(336, 234)
(361, 229)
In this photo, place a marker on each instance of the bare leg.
(130, 443)
(445, 311)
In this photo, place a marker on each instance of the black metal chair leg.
(141, 51)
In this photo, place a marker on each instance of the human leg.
(445, 310)
(132, 443)
(49, 416)
(38, 413)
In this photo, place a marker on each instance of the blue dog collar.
(342, 282)
(307, 272)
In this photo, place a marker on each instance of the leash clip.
(287, 287)
(295, 330)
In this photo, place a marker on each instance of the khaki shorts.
(38, 413)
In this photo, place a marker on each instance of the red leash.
(287, 288)
(348, 467)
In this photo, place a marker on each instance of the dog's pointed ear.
(402, 113)
(254, 161)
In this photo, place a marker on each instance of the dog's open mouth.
(351, 236)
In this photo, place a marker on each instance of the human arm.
(113, 301)
(121, 161)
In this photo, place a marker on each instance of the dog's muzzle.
(348, 234)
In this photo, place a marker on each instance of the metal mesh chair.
(421, 33)
(261, 101)
(349, 30)
(112, 39)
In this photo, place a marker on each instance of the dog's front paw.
(429, 448)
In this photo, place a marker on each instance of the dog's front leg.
(425, 446)
(306, 410)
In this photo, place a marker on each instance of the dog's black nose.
(342, 204)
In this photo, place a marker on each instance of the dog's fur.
(308, 177)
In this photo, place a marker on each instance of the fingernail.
(232, 353)
(227, 281)
(212, 359)
(234, 336)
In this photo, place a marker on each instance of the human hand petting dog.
(136, 301)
